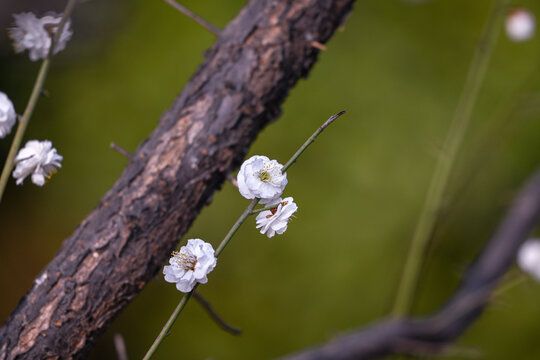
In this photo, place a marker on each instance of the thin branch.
(168, 325)
(34, 97)
(267, 207)
(318, 45)
(232, 180)
(190, 14)
(121, 150)
(247, 212)
(434, 198)
(120, 347)
(310, 140)
(214, 315)
(433, 333)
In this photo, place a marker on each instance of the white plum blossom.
(520, 25)
(260, 177)
(190, 265)
(35, 34)
(276, 220)
(7, 115)
(528, 258)
(38, 158)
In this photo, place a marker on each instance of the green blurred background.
(397, 68)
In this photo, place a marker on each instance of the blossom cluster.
(258, 178)
(37, 159)
(262, 178)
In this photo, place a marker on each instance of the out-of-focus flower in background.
(35, 34)
(7, 115)
(520, 25)
(528, 258)
(37, 158)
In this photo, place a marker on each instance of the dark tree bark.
(425, 336)
(123, 243)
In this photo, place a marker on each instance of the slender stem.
(310, 140)
(267, 207)
(34, 97)
(518, 280)
(169, 324)
(247, 212)
(190, 14)
(428, 217)
(186, 297)
(214, 315)
(236, 226)
(121, 150)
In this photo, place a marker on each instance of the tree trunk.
(123, 243)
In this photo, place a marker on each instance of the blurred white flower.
(276, 220)
(35, 34)
(7, 115)
(528, 258)
(38, 158)
(190, 265)
(520, 25)
(260, 177)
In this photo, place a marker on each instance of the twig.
(310, 140)
(430, 212)
(510, 284)
(190, 14)
(232, 180)
(206, 305)
(318, 45)
(34, 97)
(165, 331)
(267, 207)
(121, 150)
(120, 346)
(228, 237)
(410, 335)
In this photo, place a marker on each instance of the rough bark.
(425, 336)
(123, 243)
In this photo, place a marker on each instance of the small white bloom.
(276, 220)
(190, 265)
(528, 258)
(260, 177)
(35, 34)
(38, 158)
(7, 115)
(520, 25)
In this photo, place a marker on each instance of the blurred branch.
(425, 227)
(214, 315)
(124, 241)
(434, 333)
(190, 14)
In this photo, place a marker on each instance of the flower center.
(264, 175)
(185, 259)
(268, 173)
